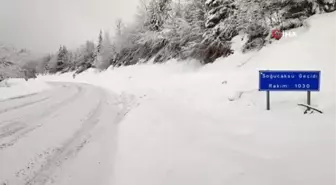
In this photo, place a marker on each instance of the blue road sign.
(289, 80)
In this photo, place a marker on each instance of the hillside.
(9, 70)
(13, 61)
(193, 29)
(173, 99)
(194, 124)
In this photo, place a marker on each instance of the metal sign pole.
(308, 98)
(268, 103)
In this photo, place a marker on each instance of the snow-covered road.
(65, 135)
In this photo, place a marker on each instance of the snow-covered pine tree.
(157, 13)
(195, 13)
(85, 56)
(218, 10)
(42, 66)
(98, 49)
(62, 58)
(106, 54)
(215, 38)
(89, 52)
(119, 25)
(192, 27)
(100, 40)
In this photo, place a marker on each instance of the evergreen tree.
(60, 56)
(106, 55)
(98, 48)
(118, 27)
(100, 40)
(157, 13)
(89, 53)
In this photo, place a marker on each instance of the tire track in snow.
(19, 97)
(30, 123)
(11, 129)
(69, 149)
(23, 105)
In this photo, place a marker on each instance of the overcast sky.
(43, 25)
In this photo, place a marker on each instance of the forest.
(182, 29)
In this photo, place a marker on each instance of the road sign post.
(268, 100)
(308, 97)
(288, 81)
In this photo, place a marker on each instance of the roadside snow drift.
(12, 88)
(192, 124)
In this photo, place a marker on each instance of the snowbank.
(208, 125)
(12, 88)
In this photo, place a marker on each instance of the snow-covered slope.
(12, 60)
(13, 88)
(17, 56)
(192, 124)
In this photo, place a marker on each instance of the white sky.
(43, 25)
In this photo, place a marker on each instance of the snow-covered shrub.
(256, 37)
(209, 50)
(143, 50)
(296, 9)
(321, 6)
(291, 23)
(218, 10)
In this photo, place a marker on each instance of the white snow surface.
(197, 125)
(15, 87)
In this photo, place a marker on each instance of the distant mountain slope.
(12, 60)
(9, 69)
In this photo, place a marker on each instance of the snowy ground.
(52, 137)
(196, 125)
(12, 88)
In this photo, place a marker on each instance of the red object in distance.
(277, 34)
